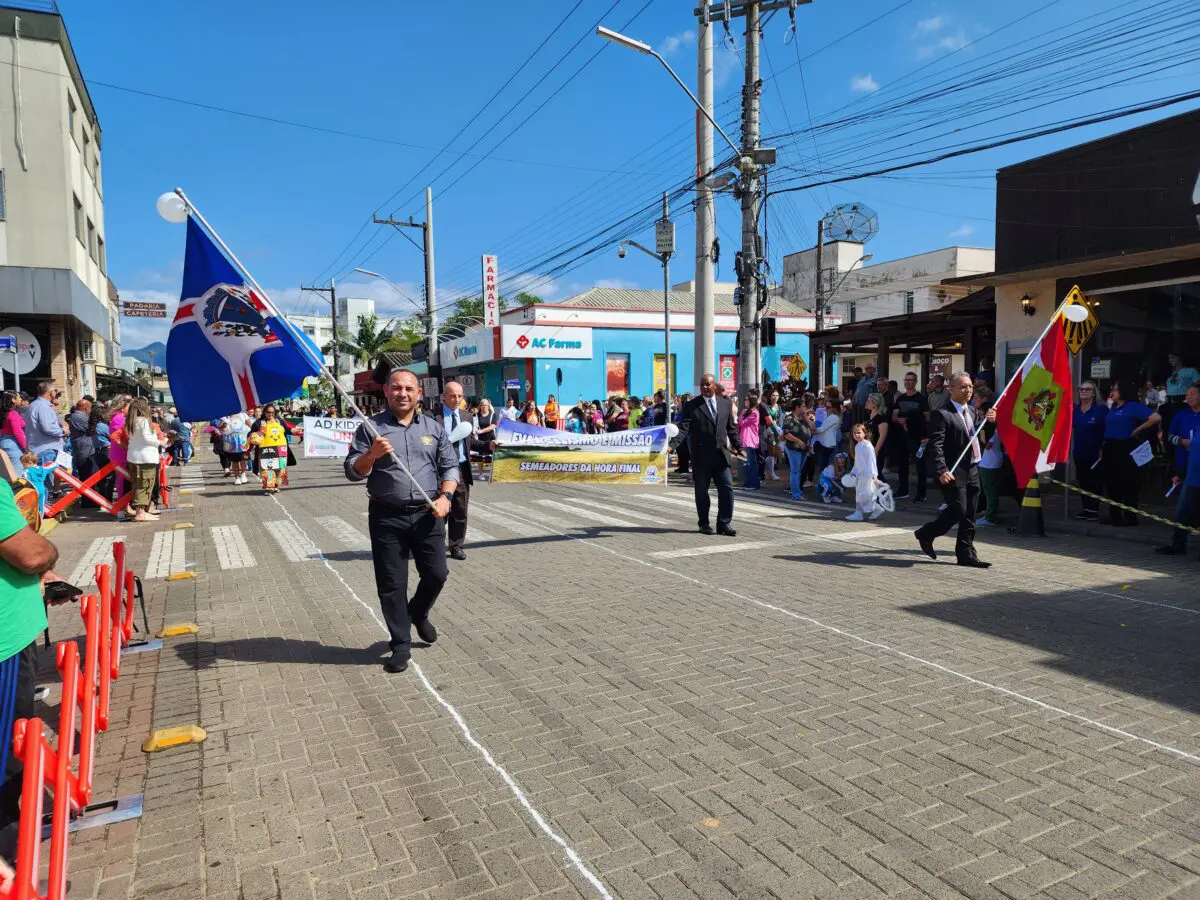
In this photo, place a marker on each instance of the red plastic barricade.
(86, 692)
(81, 489)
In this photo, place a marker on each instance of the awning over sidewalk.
(958, 327)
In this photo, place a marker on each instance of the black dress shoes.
(458, 553)
(706, 529)
(926, 545)
(426, 631)
(397, 662)
(975, 563)
(726, 531)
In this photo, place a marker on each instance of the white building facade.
(856, 290)
(55, 296)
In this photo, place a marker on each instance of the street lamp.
(665, 243)
(630, 43)
(390, 284)
(862, 259)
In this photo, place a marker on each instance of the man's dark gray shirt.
(423, 446)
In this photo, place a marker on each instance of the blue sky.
(404, 78)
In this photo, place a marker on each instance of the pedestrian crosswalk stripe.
(505, 521)
(232, 551)
(864, 533)
(84, 576)
(166, 554)
(738, 511)
(292, 541)
(622, 511)
(346, 533)
(516, 509)
(477, 536)
(714, 547)
(589, 514)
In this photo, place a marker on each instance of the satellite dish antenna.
(851, 222)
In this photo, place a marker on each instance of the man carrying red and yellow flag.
(1034, 413)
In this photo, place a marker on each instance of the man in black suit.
(951, 437)
(709, 430)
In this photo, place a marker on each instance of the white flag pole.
(1036, 344)
(275, 311)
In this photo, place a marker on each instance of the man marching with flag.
(1033, 416)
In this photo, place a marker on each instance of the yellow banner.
(578, 465)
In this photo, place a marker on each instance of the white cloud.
(930, 25)
(962, 232)
(955, 41)
(863, 84)
(619, 284)
(673, 42)
(726, 64)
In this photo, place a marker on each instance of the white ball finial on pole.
(172, 208)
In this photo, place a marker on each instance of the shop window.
(616, 368)
(660, 372)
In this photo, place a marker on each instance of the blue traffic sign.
(8, 343)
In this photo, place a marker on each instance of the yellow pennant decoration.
(1078, 333)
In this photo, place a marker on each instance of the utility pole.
(819, 293)
(705, 326)
(332, 292)
(749, 358)
(431, 330)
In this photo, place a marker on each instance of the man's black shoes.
(458, 553)
(726, 531)
(926, 545)
(706, 529)
(397, 662)
(974, 563)
(426, 631)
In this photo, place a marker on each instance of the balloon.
(463, 430)
(172, 208)
(672, 430)
(849, 480)
(1075, 312)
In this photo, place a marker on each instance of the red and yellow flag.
(1034, 415)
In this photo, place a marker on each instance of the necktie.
(453, 426)
(712, 408)
(975, 454)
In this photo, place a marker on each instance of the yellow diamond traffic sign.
(1078, 333)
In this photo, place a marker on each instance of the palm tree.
(370, 342)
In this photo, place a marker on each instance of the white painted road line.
(166, 554)
(475, 535)
(713, 548)
(232, 552)
(293, 542)
(590, 514)
(100, 551)
(628, 513)
(690, 503)
(505, 521)
(544, 518)
(346, 533)
(864, 533)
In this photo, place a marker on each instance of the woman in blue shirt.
(1126, 420)
(1088, 435)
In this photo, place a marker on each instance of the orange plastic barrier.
(86, 693)
(80, 489)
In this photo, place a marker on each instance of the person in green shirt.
(26, 563)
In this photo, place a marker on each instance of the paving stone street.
(620, 706)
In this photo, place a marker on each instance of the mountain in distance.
(158, 348)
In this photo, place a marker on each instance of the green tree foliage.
(371, 340)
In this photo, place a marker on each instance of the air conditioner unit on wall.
(88, 352)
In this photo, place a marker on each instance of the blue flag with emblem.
(229, 349)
